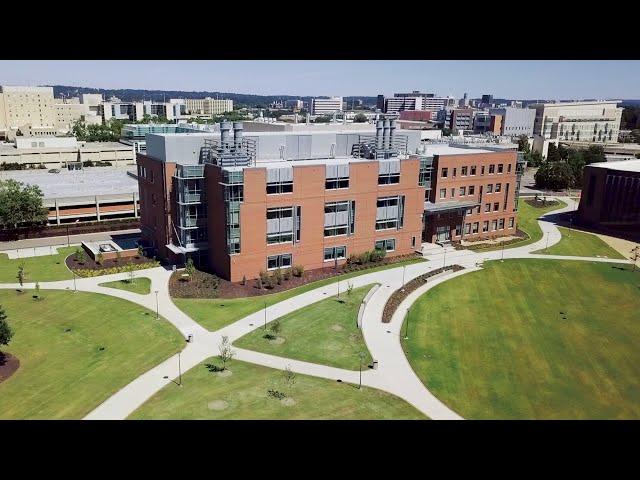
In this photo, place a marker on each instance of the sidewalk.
(61, 241)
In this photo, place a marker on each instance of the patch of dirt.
(207, 285)
(288, 402)
(224, 373)
(8, 365)
(277, 340)
(398, 296)
(337, 328)
(217, 405)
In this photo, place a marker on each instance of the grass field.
(64, 374)
(494, 343)
(324, 332)
(46, 268)
(212, 315)
(141, 285)
(243, 395)
(580, 244)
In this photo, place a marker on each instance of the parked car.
(54, 170)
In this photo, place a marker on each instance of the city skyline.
(503, 79)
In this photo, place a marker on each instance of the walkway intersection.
(393, 373)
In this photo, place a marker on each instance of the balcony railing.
(190, 197)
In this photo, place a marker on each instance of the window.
(496, 206)
(490, 188)
(453, 192)
(472, 189)
(485, 226)
(500, 167)
(388, 172)
(413, 240)
(279, 261)
(501, 224)
(474, 228)
(279, 180)
(492, 169)
(469, 211)
(444, 173)
(473, 170)
(390, 213)
(151, 175)
(443, 193)
(337, 176)
(280, 225)
(494, 224)
(388, 245)
(498, 187)
(487, 207)
(455, 170)
(509, 167)
(511, 222)
(482, 170)
(467, 228)
(464, 171)
(335, 253)
(339, 218)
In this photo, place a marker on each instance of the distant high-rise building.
(326, 106)
(208, 106)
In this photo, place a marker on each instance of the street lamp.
(547, 247)
(265, 315)
(74, 281)
(404, 267)
(406, 326)
(68, 242)
(361, 356)
(502, 257)
(179, 370)
(444, 262)
(157, 307)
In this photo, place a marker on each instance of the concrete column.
(135, 207)
(57, 212)
(98, 208)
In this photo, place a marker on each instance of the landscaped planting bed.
(85, 266)
(399, 295)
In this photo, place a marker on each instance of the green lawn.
(213, 314)
(493, 343)
(243, 395)
(324, 332)
(42, 269)
(65, 375)
(141, 285)
(580, 244)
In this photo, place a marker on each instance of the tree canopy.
(564, 166)
(5, 331)
(20, 204)
(360, 118)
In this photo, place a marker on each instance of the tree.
(552, 153)
(554, 175)
(360, 118)
(323, 119)
(190, 268)
(446, 132)
(140, 251)
(5, 330)
(100, 258)
(21, 204)
(275, 327)
(523, 144)
(289, 377)
(131, 272)
(534, 159)
(226, 353)
(37, 294)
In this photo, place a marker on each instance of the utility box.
(375, 364)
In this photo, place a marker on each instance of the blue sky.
(510, 79)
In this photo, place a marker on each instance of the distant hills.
(130, 95)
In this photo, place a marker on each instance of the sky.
(522, 79)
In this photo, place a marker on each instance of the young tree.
(131, 271)
(289, 377)
(190, 268)
(360, 118)
(140, 251)
(226, 353)
(275, 327)
(21, 275)
(523, 144)
(99, 258)
(5, 330)
(37, 295)
(118, 256)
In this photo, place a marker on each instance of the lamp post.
(157, 306)
(547, 247)
(75, 289)
(265, 315)
(404, 267)
(179, 370)
(444, 262)
(361, 357)
(502, 257)
(406, 324)
(68, 242)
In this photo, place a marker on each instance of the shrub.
(99, 258)
(269, 282)
(259, 283)
(244, 280)
(353, 259)
(297, 270)
(263, 276)
(364, 257)
(277, 276)
(87, 272)
(286, 273)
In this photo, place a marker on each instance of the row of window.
(285, 260)
(498, 224)
(276, 188)
(471, 171)
(470, 190)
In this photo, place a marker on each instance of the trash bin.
(375, 364)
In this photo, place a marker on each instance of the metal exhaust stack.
(225, 128)
(385, 134)
(392, 130)
(237, 134)
(379, 127)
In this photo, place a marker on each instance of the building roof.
(445, 149)
(78, 183)
(622, 165)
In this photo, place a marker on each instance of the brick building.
(238, 206)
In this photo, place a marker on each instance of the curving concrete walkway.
(393, 374)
